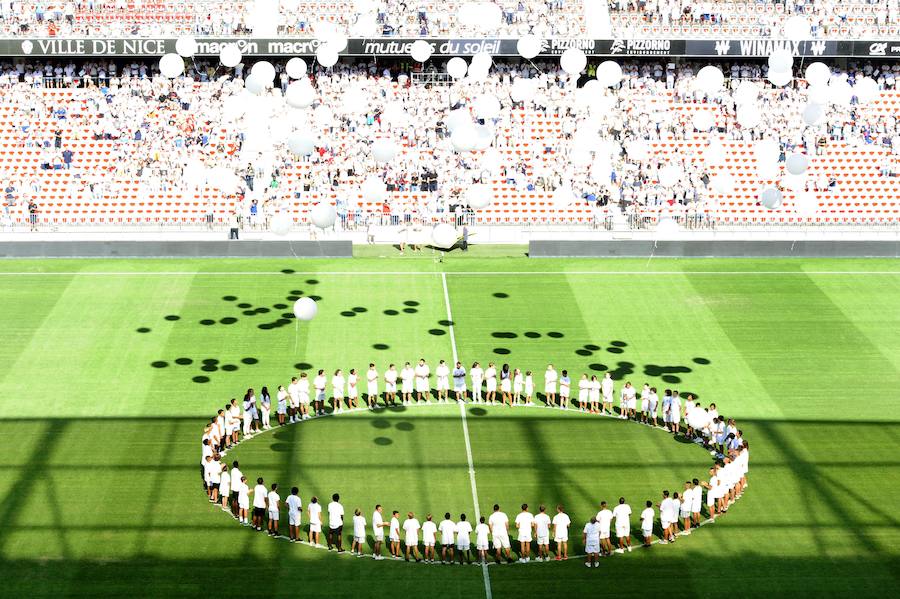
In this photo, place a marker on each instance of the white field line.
(651, 273)
(462, 413)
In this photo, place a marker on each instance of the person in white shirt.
(584, 386)
(622, 513)
(550, 378)
(561, 524)
(653, 404)
(687, 500)
(459, 383)
(525, 526)
(676, 412)
(259, 503)
(423, 389)
(282, 410)
(482, 531)
(490, 381)
(429, 538)
(518, 385)
(302, 412)
(529, 388)
(359, 532)
(627, 401)
(542, 534)
(442, 372)
(591, 537)
(499, 525)
(274, 501)
(594, 395)
(390, 385)
(225, 488)
(411, 528)
(394, 534)
(606, 386)
(645, 403)
(667, 518)
(604, 519)
(243, 500)
(352, 389)
(378, 526)
(335, 524)
(647, 517)
(314, 513)
(447, 528)
(337, 391)
(236, 477)
(406, 382)
(696, 501)
(319, 385)
(477, 374)
(565, 390)
(372, 386)
(295, 509)
(463, 539)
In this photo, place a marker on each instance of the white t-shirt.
(542, 524)
(429, 529)
(448, 529)
(259, 496)
(274, 498)
(592, 533)
(443, 372)
(463, 530)
(561, 524)
(319, 382)
(411, 527)
(422, 372)
(335, 514)
(622, 513)
(481, 534)
(294, 504)
(647, 518)
(499, 523)
(359, 527)
(395, 528)
(607, 386)
(315, 513)
(377, 522)
(524, 522)
(604, 517)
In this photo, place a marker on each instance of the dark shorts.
(259, 512)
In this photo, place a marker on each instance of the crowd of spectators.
(209, 133)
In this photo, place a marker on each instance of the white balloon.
(781, 60)
(457, 118)
(281, 223)
(817, 73)
(529, 46)
(305, 308)
(703, 120)
(301, 144)
(479, 196)
(384, 150)
(374, 189)
(669, 175)
(747, 92)
(710, 79)
(779, 78)
(326, 55)
(484, 137)
(295, 68)
(748, 116)
(171, 65)
(573, 61)
(478, 72)
(254, 85)
(523, 89)
(464, 138)
(840, 92)
(722, 182)
(323, 215)
(486, 106)
(866, 90)
(482, 60)
(609, 73)
(813, 113)
(796, 164)
(230, 55)
(796, 29)
(420, 51)
(806, 203)
(264, 70)
(444, 236)
(770, 197)
(457, 67)
(300, 94)
(186, 46)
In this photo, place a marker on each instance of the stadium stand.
(119, 150)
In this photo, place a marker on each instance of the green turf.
(101, 422)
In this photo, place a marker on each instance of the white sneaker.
(629, 549)
(620, 550)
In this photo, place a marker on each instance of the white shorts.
(592, 547)
(372, 390)
(632, 403)
(464, 546)
(273, 515)
(412, 541)
(224, 490)
(352, 393)
(623, 531)
(604, 535)
(505, 386)
(550, 389)
(607, 399)
(711, 498)
(582, 397)
(304, 400)
(360, 540)
(481, 546)
(695, 509)
(491, 385)
(379, 536)
(459, 386)
(428, 543)
(338, 395)
(564, 393)
(645, 405)
(390, 387)
(422, 387)
(244, 504)
(526, 538)
(443, 385)
(394, 539)
(407, 387)
(543, 540)
(501, 541)
(652, 407)
(315, 527)
(665, 524)
(647, 532)
(685, 515)
(561, 539)
(320, 395)
(294, 519)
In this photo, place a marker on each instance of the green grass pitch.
(111, 367)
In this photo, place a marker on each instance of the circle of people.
(679, 511)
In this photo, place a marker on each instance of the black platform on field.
(177, 249)
(632, 248)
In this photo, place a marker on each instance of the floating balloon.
(796, 164)
(747, 92)
(796, 29)
(323, 215)
(529, 46)
(781, 60)
(779, 78)
(703, 120)
(305, 308)
(564, 196)
(301, 144)
(486, 106)
(457, 67)
(264, 70)
(420, 51)
(230, 55)
(479, 196)
(374, 189)
(444, 236)
(840, 92)
(295, 68)
(186, 46)
(523, 89)
(254, 85)
(771, 197)
(300, 94)
(482, 60)
(813, 113)
(464, 138)
(866, 90)
(817, 73)
(609, 73)
(766, 151)
(573, 61)
(748, 116)
(326, 55)
(384, 150)
(710, 79)
(281, 223)
(171, 65)
(637, 150)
